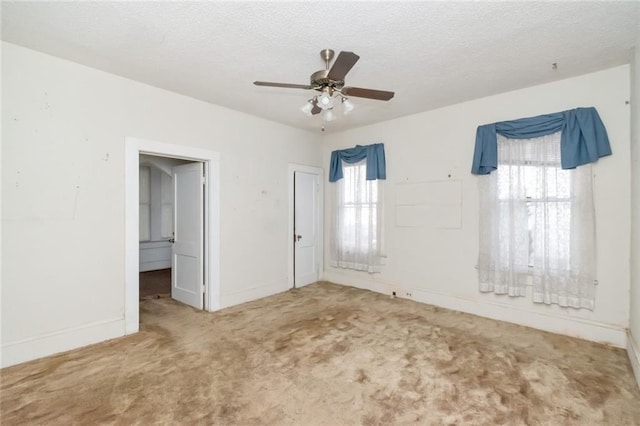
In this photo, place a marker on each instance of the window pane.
(166, 221)
(144, 224)
(533, 182)
(166, 183)
(145, 184)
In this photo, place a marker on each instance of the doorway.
(157, 209)
(209, 177)
(305, 225)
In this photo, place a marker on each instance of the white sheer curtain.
(537, 225)
(356, 235)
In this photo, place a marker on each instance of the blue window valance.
(584, 138)
(376, 163)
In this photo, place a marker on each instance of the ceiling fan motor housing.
(320, 80)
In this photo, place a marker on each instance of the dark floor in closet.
(155, 283)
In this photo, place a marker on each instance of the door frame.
(292, 169)
(211, 160)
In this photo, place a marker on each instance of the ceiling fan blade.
(285, 85)
(343, 64)
(316, 109)
(359, 92)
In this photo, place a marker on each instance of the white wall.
(633, 345)
(63, 130)
(437, 266)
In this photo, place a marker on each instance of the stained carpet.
(325, 355)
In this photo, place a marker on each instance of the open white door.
(306, 228)
(188, 248)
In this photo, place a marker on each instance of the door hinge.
(203, 180)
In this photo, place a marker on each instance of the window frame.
(357, 201)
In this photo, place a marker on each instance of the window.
(537, 225)
(166, 206)
(357, 238)
(145, 203)
(156, 204)
(545, 189)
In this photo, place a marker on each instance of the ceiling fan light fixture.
(329, 115)
(306, 109)
(347, 106)
(325, 101)
(329, 84)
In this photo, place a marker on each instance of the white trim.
(211, 159)
(575, 327)
(1, 257)
(132, 233)
(319, 215)
(633, 350)
(60, 341)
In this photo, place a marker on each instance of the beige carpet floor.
(325, 355)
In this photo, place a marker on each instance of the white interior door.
(306, 227)
(188, 247)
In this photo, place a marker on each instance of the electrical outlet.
(408, 294)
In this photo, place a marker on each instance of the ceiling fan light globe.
(325, 101)
(347, 106)
(329, 115)
(306, 109)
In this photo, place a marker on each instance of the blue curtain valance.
(584, 138)
(376, 163)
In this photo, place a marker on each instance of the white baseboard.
(60, 341)
(633, 350)
(156, 265)
(254, 293)
(574, 327)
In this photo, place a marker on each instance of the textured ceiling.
(431, 54)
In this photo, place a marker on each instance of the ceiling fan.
(330, 83)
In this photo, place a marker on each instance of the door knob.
(298, 237)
